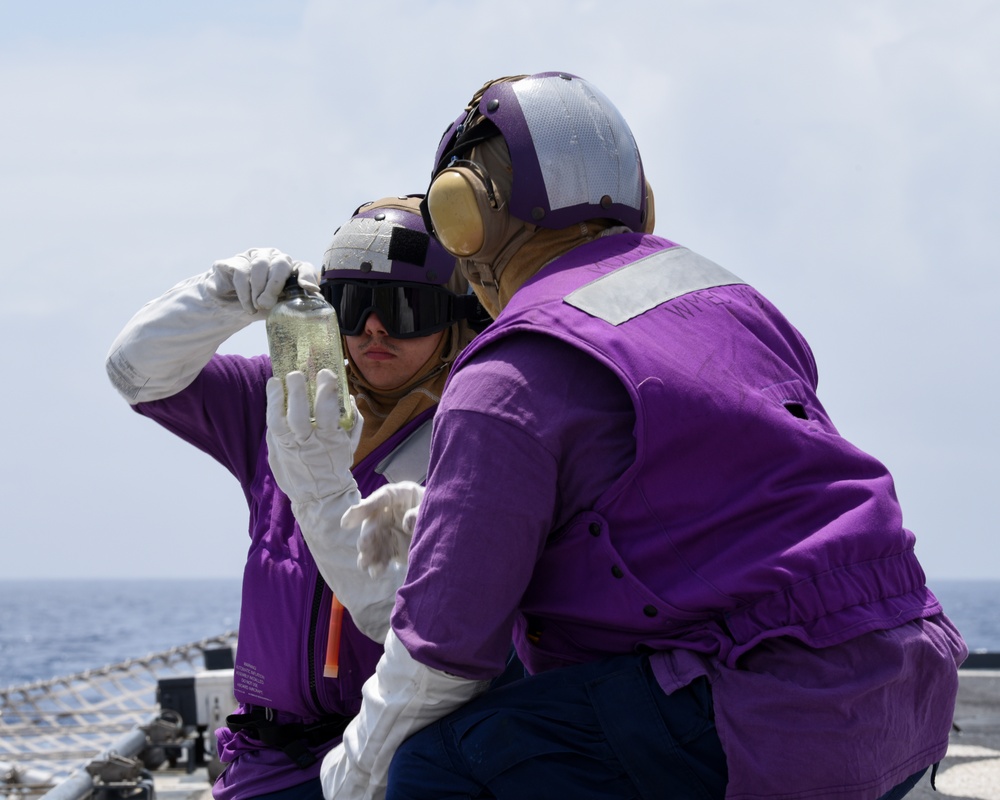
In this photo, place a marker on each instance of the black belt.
(294, 738)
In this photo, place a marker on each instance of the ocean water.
(974, 607)
(49, 629)
(54, 628)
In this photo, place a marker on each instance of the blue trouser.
(310, 790)
(593, 731)
(599, 730)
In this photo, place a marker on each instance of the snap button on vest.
(617, 571)
(595, 529)
(650, 611)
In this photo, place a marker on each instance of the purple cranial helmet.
(572, 153)
(386, 240)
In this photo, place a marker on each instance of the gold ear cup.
(451, 202)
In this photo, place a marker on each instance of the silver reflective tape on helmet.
(644, 284)
(360, 240)
(580, 163)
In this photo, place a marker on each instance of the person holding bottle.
(633, 476)
(406, 314)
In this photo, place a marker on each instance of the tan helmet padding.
(650, 222)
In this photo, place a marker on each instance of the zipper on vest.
(317, 604)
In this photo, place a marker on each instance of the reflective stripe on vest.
(409, 460)
(644, 284)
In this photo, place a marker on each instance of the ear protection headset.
(463, 205)
(462, 202)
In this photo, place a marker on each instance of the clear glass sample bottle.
(303, 334)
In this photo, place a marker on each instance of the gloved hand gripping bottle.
(303, 334)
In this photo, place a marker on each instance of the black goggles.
(407, 310)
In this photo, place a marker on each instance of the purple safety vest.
(745, 514)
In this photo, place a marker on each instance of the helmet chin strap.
(487, 293)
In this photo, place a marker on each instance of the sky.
(842, 156)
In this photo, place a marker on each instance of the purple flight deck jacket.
(286, 605)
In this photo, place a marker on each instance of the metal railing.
(52, 731)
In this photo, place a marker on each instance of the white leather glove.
(255, 278)
(169, 341)
(387, 518)
(310, 461)
(312, 465)
(402, 697)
